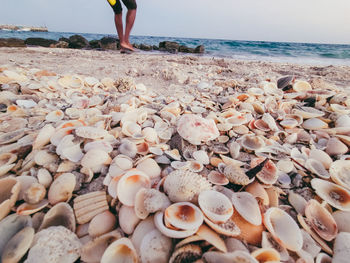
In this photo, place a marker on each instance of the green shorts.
(117, 6)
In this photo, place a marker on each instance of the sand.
(167, 73)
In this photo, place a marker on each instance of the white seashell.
(323, 258)
(28, 209)
(283, 228)
(336, 147)
(60, 214)
(196, 129)
(155, 247)
(316, 167)
(141, 230)
(95, 159)
(44, 158)
(43, 136)
(89, 132)
(120, 164)
(269, 242)
(121, 250)
(150, 134)
(339, 108)
(34, 194)
(7, 162)
(59, 134)
(298, 202)
(128, 219)
(342, 218)
(308, 112)
(62, 188)
(159, 223)
(251, 142)
(343, 121)
(341, 248)
(314, 124)
(150, 167)
(44, 177)
(183, 215)
(201, 156)
(301, 86)
(128, 148)
(102, 224)
(215, 205)
(130, 183)
(270, 121)
(102, 145)
(247, 206)
(340, 172)
(236, 256)
(55, 116)
(131, 128)
(321, 156)
(10, 188)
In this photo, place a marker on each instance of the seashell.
(215, 205)
(284, 82)
(128, 148)
(335, 195)
(261, 125)
(94, 249)
(196, 129)
(298, 202)
(54, 244)
(130, 183)
(58, 135)
(341, 247)
(266, 255)
(44, 177)
(99, 144)
(342, 218)
(128, 219)
(339, 109)
(283, 228)
(10, 188)
(173, 233)
(236, 175)
(62, 188)
(336, 147)
(339, 172)
(119, 165)
(95, 159)
(28, 209)
(155, 247)
(258, 192)
(201, 156)
(308, 112)
(251, 142)
(317, 168)
(150, 134)
(7, 162)
(268, 173)
(309, 244)
(187, 253)
(323, 258)
(183, 215)
(247, 206)
(121, 250)
(314, 124)
(60, 214)
(130, 128)
(44, 158)
(269, 242)
(182, 186)
(321, 220)
(195, 166)
(236, 256)
(89, 132)
(343, 121)
(217, 178)
(55, 116)
(211, 237)
(34, 194)
(173, 154)
(18, 245)
(289, 123)
(87, 206)
(150, 167)
(150, 201)
(301, 86)
(13, 136)
(144, 227)
(321, 156)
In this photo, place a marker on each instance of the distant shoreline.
(23, 28)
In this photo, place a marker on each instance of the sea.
(286, 52)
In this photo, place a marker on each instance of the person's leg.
(130, 19)
(118, 19)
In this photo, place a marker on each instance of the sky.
(315, 21)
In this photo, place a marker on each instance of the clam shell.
(144, 227)
(150, 167)
(268, 174)
(94, 249)
(95, 159)
(335, 195)
(130, 183)
(340, 173)
(283, 228)
(317, 168)
(128, 219)
(228, 228)
(211, 237)
(89, 132)
(155, 247)
(269, 242)
(321, 220)
(60, 214)
(247, 206)
(215, 205)
(249, 233)
(251, 142)
(55, 116)
(309, 244)
(217, 178)
(258, 192)
(62, 188)
(28, 209)
(308, 112)
(44, 177)
(336, 147)
(342, 218)
(323, 258)
(7, 162)
(341, 248)
(314, 124)
(121, 250)
(128, 148)
(322, 157)
(34, 194)
(266, 255)
(102, 224)
(87, 206)
(236, 175)
(298, 202)
(183, 215)
(10, 188)
(301, 86)
(18, 246)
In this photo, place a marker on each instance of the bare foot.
(127, 46)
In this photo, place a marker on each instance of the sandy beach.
(157, 71)
(153, 157)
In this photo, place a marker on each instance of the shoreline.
(159, 71)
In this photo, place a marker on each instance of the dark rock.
(37, 41)
(11, 42)
(145, 47)
(64, 39)
(77, 41)
(95, 44)
(154, 47)
(60, 44)
(200, 49)
(186, 49)
(136, 45)
(169, 46)
(109, 43)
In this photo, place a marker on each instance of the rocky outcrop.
(78, 41)
(11, 42)
(60, 44)
(109, 43)
(169, 46)
(200, 49)
(95, 44)
(145, 47)
(37, 41)
(186, 49)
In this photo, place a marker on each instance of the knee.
(132, 5)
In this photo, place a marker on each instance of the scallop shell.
(181, 186)
(187, 253)
(283, 228)
(335, 195)
(215, 205)
(321, 220)
(195, 129)
(130, 183)
(60, 214)
(87, 206)
(10, 188)
(247, 206)
(183, 215)
(62, 188)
